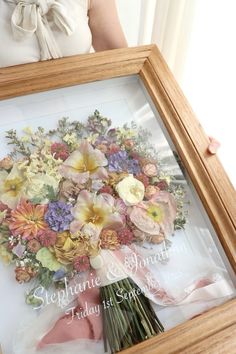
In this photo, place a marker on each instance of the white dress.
(34, 30)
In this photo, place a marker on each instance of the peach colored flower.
(6, 163)
(109, 239)
(142, 236)
(102, 148)
(84, 163)
(155, 216)
(24, 274)
(33, 246)
(156, 239)
(129, 144)
(150, 191)
(27, 220)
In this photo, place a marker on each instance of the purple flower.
(133, 167)
(120, 162)
(58, 216)
(19, 250)
(59, 274)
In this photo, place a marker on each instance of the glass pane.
(104, 230)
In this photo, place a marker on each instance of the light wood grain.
(203, 334)
(214, 331)
(37, 77)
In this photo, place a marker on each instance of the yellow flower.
(131, 190)
(5, 255)
(70, 139)
(25, 139)
(67, 247)
(124, 133)
(156, 213)
(11, 187)
(28, 131)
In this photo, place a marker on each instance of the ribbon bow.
(29, 17)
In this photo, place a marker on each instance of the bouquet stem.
(128, 316)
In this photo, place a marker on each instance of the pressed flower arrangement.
(69, 195)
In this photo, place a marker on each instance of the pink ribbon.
(68, 328)
(90, 327)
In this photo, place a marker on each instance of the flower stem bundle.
(128, 316)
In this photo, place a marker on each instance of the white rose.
(130, 190)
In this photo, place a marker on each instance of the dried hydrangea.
(58, 216)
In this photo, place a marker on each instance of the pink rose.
(150, 170)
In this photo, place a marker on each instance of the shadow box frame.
(215, 330)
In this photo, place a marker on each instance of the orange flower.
(24, 274)
(109, 239)
(27, 220)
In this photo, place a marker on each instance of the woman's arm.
(105, 25)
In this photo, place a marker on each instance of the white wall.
(129, 13)
(210, 75)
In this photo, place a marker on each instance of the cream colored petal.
(9, 200)
(15, 172)
(83, 206)
(73, 174)
(3, 176)
(74, 159)
(99, 173)
(114, 221)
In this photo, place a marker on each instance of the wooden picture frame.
(211, 332)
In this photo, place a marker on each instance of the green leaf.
(51, 195)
